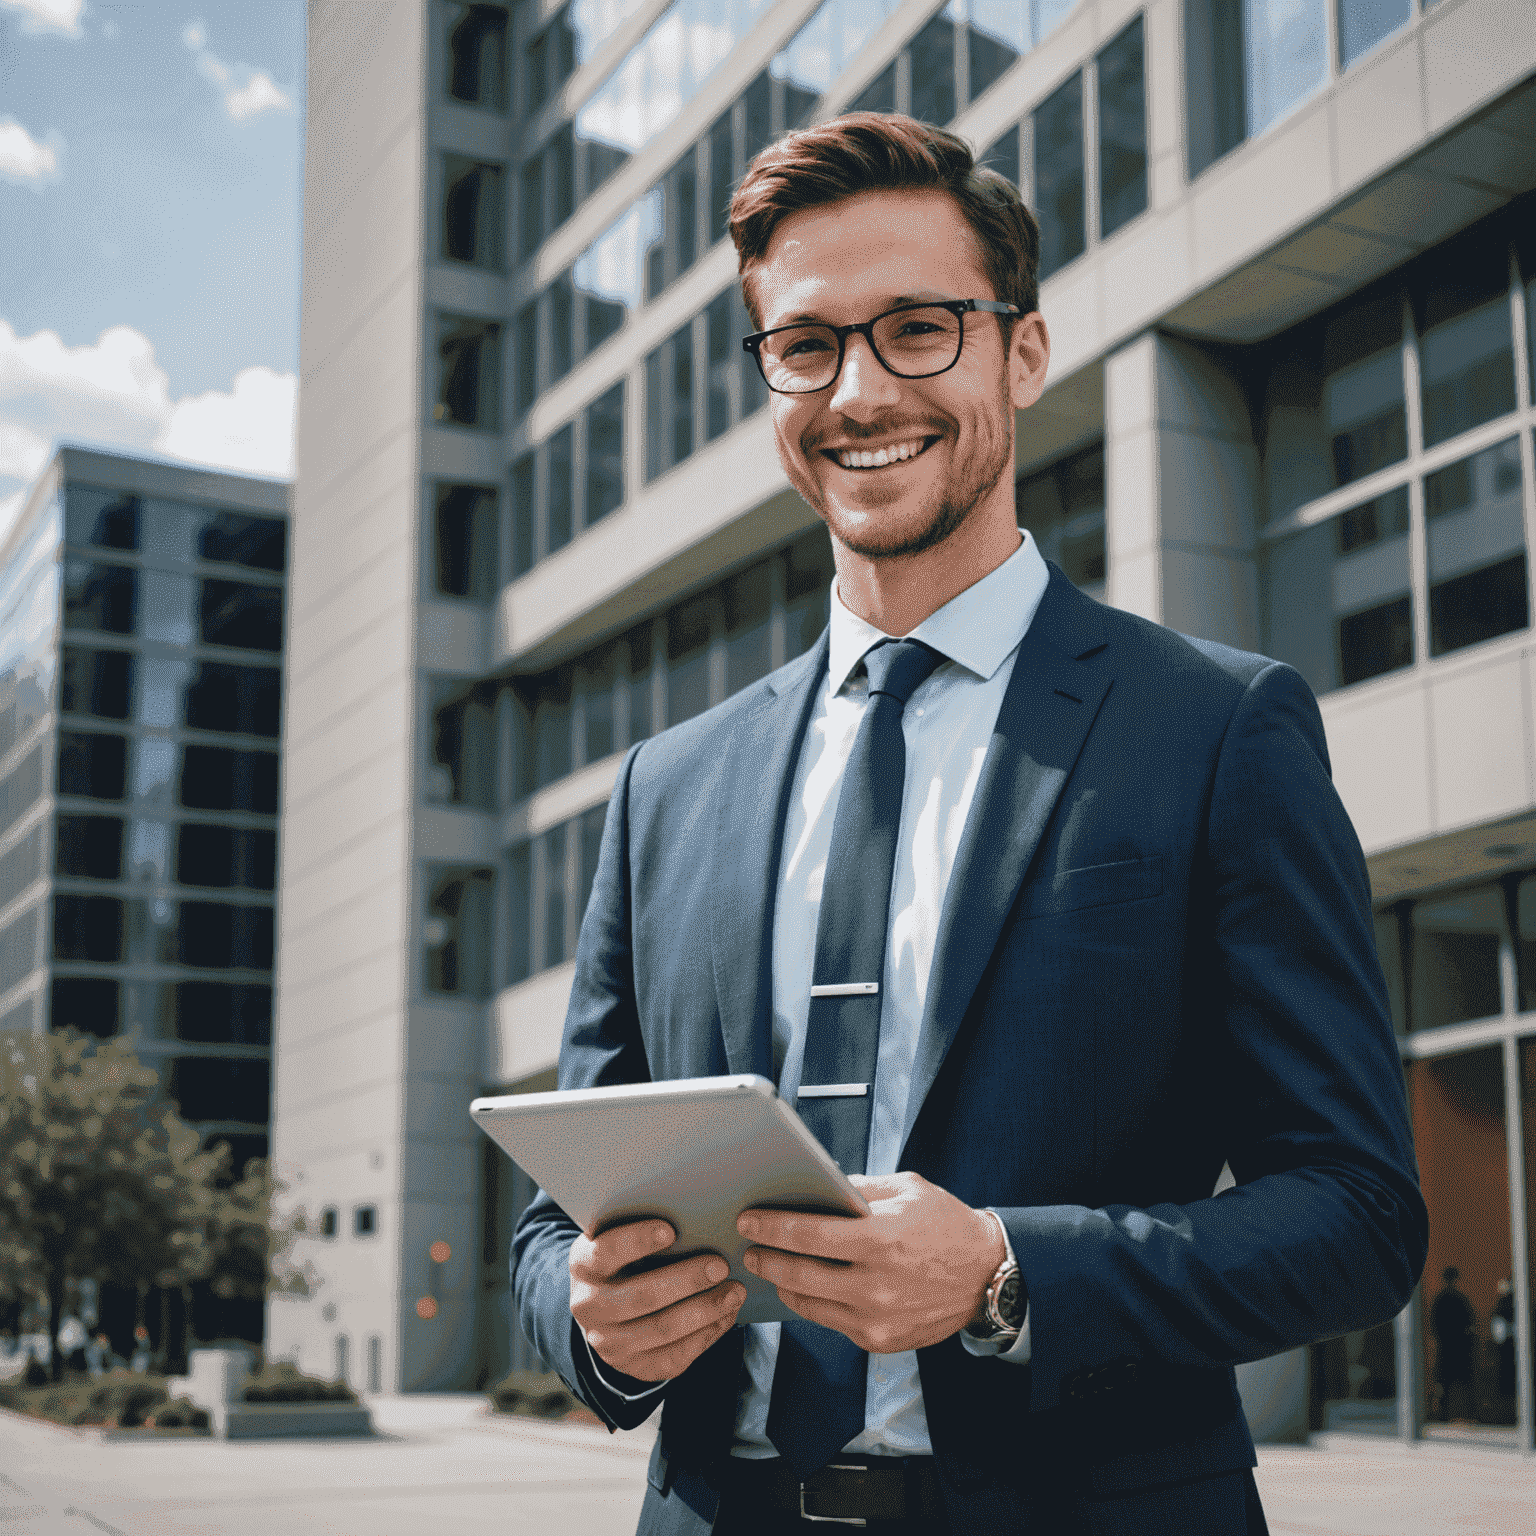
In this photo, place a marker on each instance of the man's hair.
(887, 152)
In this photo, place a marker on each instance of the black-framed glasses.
(914, 341)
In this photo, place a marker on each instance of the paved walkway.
(440, 1466)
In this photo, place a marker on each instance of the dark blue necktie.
(817, 1405)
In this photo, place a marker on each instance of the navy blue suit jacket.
(1156, 956)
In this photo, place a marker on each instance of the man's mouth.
(881, 457)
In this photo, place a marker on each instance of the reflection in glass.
(688, 631)
(560, 504)
(154, 770)
(611, 271)
(1122, 129)
(104, 519)
(1477, 582)
(477, 55)
(605, 454)
(1337, 602)
(1466, 352)
(29, 612)
(466, 541)
(932, 54)
(168, 607)
(1286, 46)
(99, 598)
(472, 211)
(1364, 23)
(469, 352)
(149, 852)
(1460, 1134)
(822, 49)
(162, 687)
(1456, 957)
(172, 530)
(1058, 136)
(1063, 508)
(461, 770)
(1364, 414)
(1000, 35)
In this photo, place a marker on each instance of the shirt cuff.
(619, 1392)
(1015, 1352)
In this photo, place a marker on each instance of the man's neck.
(897, 594)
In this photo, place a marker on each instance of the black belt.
(853, 1490)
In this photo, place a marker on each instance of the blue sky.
(150, 186)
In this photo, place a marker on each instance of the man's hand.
(651, 1326)
(912, 1272)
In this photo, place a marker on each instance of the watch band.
(1007, 1300)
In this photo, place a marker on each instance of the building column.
(1181, 490)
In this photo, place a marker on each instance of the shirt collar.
(979, 628)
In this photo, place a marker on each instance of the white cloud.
(48, 15)
(114, 393)
(27, 160)
(247, 92)
(249, 429)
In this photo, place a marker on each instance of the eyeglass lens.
(912, 343)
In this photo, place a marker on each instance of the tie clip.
(847, 989)
(832, 1091)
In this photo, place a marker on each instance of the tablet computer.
(696, 1152)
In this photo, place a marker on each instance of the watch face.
(1008, 1307)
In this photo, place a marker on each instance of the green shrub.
(179, 1413)
(536, 1394)
(280, 1382)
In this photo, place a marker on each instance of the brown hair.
(879, 152)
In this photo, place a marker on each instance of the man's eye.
(802, 346)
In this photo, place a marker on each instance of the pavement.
(443, 1464)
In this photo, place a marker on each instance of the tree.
(250, 1242)
(94, 1183)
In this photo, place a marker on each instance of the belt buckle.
(805, 1514)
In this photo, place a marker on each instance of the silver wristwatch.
(1007, 1300)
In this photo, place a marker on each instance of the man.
(1056, 910)
(1454, 1325)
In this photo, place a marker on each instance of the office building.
(1287, 264)
(141, 620)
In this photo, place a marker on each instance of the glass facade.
(144, 690)
(1431, 559)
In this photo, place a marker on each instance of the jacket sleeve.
(1325, 1231)
(601, 1045)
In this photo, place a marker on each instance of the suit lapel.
(755, 783)
(1051, 702)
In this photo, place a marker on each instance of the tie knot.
(899, 668)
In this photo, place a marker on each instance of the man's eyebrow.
(808, 317)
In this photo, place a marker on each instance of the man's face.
(850, 261)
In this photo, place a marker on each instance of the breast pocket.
(1095, 885)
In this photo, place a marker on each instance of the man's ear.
(1029, 356)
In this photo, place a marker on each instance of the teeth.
(893, 454)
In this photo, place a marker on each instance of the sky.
(151, 160)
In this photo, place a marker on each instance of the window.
(328, 1221)
(548, 61)
(669, 403)
(807, 590)
(1477, 575)
(365, 1222)
(879, 95)
(1355, 569)
(92, 765)
(217, 1012)
(559, 933)
(1063, 508)
(100, 518)
(674, 246)
(1455, 957)
(605, 455)
(724, 346)
(219, 779)
(689, 627)
(96, 683)
(748, 626)
(226, 857)
(560, 503)
(465, 547)
(477, 56)
(87, 928)
(375, 1362)
(456, 933)
(220, 1088)
(87, 1003)
(561, 299)
(245, 617)
(932, 54)
(1121, 78)
(99, 598)
(473, 214)
(462, 766)
(219, 935)
(527, 357)
(1002, 155)
(523, 514)
(243, 700)
(1058, 140)
(1364, 23)
(519, 951)
(998, 36)
(1466, 350)
(594, 683)
(89, 846)
(241, 538)
(469, 355)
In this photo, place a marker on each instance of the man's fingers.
(638, 1345)
(610, 1251)
(673, 1359)
(804, 1276)
(826, 1237)
(658, 1289)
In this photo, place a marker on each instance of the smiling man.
(1039, 913)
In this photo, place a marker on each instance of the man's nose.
(864, 388)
